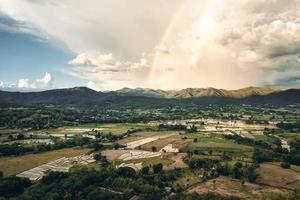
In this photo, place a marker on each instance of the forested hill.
(82, 96)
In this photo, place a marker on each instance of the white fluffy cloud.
(81, 59)
(44, 82)
(26, 84)
(92, 85)
(105, 72)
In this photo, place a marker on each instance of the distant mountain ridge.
(82, 96)
(197, 92)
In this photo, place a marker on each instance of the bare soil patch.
(112, 155)
(226, 186)
(273, 175)
(178, 161)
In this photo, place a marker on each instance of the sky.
(160, 44)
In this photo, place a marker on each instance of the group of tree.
(242, 140)
(175, 127)
(214, 168)
(84, 183)
(21, 149)
(279, 155)
(289, 126)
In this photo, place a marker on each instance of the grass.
(16, 164)
(273, 175)
(156, 160)
(226, 186)
(215, 143)
(93, 165)
(265, 138)
(295, 168)
(147, 161)
(210, 138)
(290, 136)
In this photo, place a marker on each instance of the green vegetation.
(233, 143)
(11, 165)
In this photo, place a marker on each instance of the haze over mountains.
(197, 92)
(150, 97)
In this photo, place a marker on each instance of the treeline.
(269, 155)
(265, 152)
(175, 127)
(289, 126)
(242, 140)
(19, 149)
(108, 183)
(215, 168)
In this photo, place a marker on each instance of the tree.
(97, 156)
(53, 177)
(1, 175)
(193, 129)
(97, 146)
(10, 137)
(103, 195)
(285, 165)
(126, 172)
(154, 148)
(117, 146)
(195, 139)
(145, 170)
(236, 172)
(157, 168)
(222, 169)
(20, 136)
(238, 164)
(13, 186)
(251, 174)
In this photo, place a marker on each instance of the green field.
(148, 161)
(11, 165)
(215, 143)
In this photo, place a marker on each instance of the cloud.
(45, 82)
(106, 59)
(233, 44)
(99, 25)
(92, 85)
(25, 83)
(209, 43)
(105, 72)
(81, 59)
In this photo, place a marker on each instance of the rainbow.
(181, 12)
(164, 39)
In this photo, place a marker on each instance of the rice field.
(16, 164)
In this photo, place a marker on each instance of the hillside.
(147, 97)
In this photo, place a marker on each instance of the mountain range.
(197, 92)
(150, 97)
